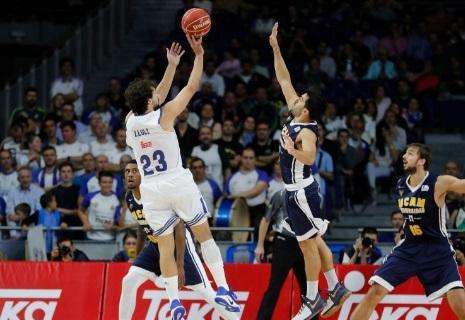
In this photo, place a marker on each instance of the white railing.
(92, 40)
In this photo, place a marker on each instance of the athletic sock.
(331, 278)
(212, 256)
(312, 289)
(171, 287)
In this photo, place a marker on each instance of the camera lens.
(367, 242)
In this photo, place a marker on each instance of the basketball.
(196, 22)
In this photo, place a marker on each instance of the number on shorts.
(416, 230)
(159, 157)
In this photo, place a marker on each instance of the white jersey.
(155, 149)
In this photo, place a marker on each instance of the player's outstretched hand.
(196, 44)
(174, 54)
(274, 36)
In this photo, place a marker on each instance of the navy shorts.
(303, 209)
(433, 263)
(149, 259)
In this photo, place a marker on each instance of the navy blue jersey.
(135, 207)
(292, 170)
(423, 219)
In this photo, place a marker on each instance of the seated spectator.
(332, 121)
(102, 144)
(397, 222)
(345, 162)
(382, 102)
(263, 109)
(8, 174)
(128, 254)
(364, 250)
(395, 42)
(68, 114)
(350, 65)
(276, 183)
(258, 66)
(327, 63)
(187, 135)
(454, 201)
(395, 134)
(116, 97)
(248, 131)
(229, 148)
(67, 195)
(93, 184)
(208, 152)
(206, 94)
(230, 67)
(381, 68)
(49, 132)
(49, 175)
(208, 188)
(48, 217)
(71, 149)
(325, 165)
(29, 109)
(56, 103)
(14, 141)
(212, 77)
(87, 172)
(207, 118)
(121, 147)
(249, 183)
(101, 209)
(361, 108)
(266, 149)
(69, 85)
(66, 251)
(21, 212)
(229, 108)
(414, 118)
(104, 109)
(29, 155)
(263, 24)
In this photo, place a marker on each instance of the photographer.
(459, 247)
(364, 251)
(66, 251)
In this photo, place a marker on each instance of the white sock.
(171, 287)
(331, 278)
(312, 289)
(127, 301)
(212, 256)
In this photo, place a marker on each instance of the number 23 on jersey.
(156, 162)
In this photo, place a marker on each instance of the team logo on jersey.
(296, 129)
(401, 192)
(425, 188)
(145, 145)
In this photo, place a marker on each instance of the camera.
(64, 251)
(367, 242)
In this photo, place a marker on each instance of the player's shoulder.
(129, 197)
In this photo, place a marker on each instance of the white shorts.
(170, 197)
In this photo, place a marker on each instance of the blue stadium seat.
(240, 248)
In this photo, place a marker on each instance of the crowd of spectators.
(380, 65)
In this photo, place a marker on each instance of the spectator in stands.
(230, 67)
(66, 251)
(350, 64)
(8, 174)
(49, 132)
(101, 210)
(249, 183)
(276, 182)
(382, 102)
(69, 85)
(364, 251)
(68, 114)
(332, 121)
(208, 187)
(397, 222)
(248, 131)
(209, 153)
(414, 118)
(102, 106)
(206, 94)
(90, 134)
(229, 148)
(26, 192)
(14, 141)
(29, 109)
(266, 150)
(395, 134)
(67, 195)
(116, 97)
(87, 172)
(120, 148)
(102, 144)
(48, 176)
(263, 24)
(212, 77)
(71, 149)
(187, 135)
(229, 108)
(21, 212)
(325, 165)
(455, 202)
(418, 45)
(263, 109)
(128, 254)
(207, 119)
(258, 66)
(56, 104)
(93, 184)
(327, 63)
(345, 162)
(381, 68)
(29, 155)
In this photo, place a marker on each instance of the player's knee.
(377, 292)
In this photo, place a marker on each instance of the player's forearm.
(83, 217)
(458, 186)
(306, 157)
(262, 229)
(194, 79)
(164, 86)
(282, 74)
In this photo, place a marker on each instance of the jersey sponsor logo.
(425, 188)
(145, 145)
(412, 205)
(196, 307)
(141, 132)
(28, 304)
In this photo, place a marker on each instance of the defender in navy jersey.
(425, 252)
(297, 154)
(147, 264)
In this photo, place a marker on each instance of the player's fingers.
(176, 48)
(189, 39)
(182, 52)
(173, 45)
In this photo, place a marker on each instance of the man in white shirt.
(101, 209)
(48, 176)
(216, 80)
(276, 184)
(8, 175)
(102, 145)
(208, 152)
(208, 188)
(93, 184)
(68, 85)
(71, 148)
(120, 148)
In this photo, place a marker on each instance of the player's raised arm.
(282, 74)
(308, 153)
(446, 184)
(173, 108)
(173, 55)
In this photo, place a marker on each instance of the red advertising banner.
(46, 291)
(247, 280)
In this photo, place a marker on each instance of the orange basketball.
(196, 22)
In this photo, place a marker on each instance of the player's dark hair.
(129, 234)
(132, 161)
(423, 151)
(24, 208)
(315, 105)
(70, 124)
(105, 174)
(46, 148)
(196, 159)
(46, 199)
(66, 164)
(395, 212)
(369, 230)
(137, 95)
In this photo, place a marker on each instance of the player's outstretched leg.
(212, 257)
(456, 299)
(337, 292)
(169, 272)
(364, 310)
(312, 303)
(131, 282)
